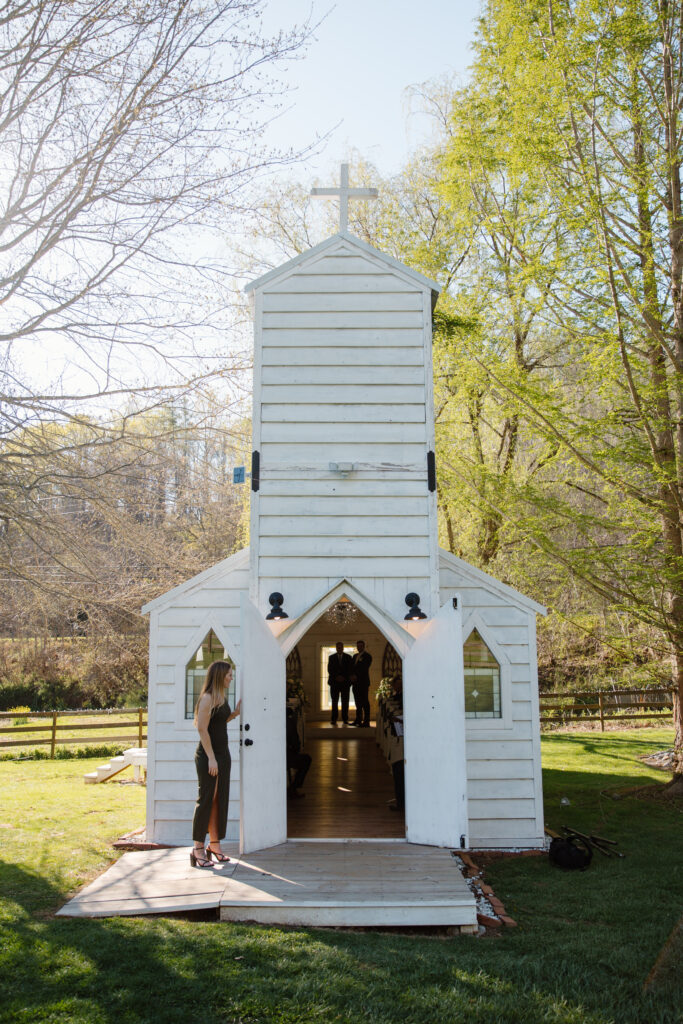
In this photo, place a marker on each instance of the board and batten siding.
(342, 373)
(177, 627)
(505, 799)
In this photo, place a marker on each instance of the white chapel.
(344, 546)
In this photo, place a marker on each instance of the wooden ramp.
(329, 884)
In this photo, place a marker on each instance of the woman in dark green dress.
(212, 760)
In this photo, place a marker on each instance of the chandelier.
(341, 614)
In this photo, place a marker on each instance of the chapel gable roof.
(233, 563)
(478, 578)
(339, 245)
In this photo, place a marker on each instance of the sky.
(354, 78)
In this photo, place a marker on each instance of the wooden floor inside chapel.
(347, 788)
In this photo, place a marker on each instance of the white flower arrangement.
(385, 690)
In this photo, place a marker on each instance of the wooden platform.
(333, 884)
(348, 789)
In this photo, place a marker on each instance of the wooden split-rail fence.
(562, 707)
(128, 724)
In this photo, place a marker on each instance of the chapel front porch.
(348, 883)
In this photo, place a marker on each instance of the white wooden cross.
(345, 193)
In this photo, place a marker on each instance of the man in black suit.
(360, 681)
(339, 682)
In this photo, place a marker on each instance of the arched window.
(211, 650)
(482, 679)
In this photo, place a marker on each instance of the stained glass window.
(211, 650)
(482, 679)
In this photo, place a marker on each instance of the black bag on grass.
(570, 853)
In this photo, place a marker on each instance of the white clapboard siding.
(522, 712)
(326, 568)
(389, 302)
(339, 413)
(505, 832)
(336, 375)
(503, 765)
(512, 789)
(382, 453)
(181, 619)
(500, 616)
(210, 598)
(358, 319)
(363, 357)
(343, 394)
(344, 263)
(342, 526)
(520, 673)
(499, 770)
(297, 438)
(498, 809)
(182, 810)
(185, 616)
(392, 492)
(353, 283)
(344, 546)
(165, 711)
(336, 505)
(346, 337)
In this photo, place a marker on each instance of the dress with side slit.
(218, 734)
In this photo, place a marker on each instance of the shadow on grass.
(169, 970)
(625, 747)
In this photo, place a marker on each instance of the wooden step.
(135, 756)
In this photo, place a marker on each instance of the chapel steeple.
(343, 425)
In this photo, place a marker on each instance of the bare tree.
(130, 134)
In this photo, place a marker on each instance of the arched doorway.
(435, 761)
(353, 788)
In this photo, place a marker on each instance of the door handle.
(249, 743)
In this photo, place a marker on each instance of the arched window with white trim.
(211, 649)
(482, 679)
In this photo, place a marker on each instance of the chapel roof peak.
(341, 242)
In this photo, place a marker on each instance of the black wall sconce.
(413, 602)
(276, 609)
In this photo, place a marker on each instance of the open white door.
(263, 764)
(434, 743)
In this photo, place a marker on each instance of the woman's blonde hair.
(214, 684)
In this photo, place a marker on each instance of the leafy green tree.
(582, 100)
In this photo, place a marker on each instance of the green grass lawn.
(583, 948)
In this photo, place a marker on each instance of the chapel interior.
(349, 790)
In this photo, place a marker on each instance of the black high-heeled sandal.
(199, 861)
(220, 857)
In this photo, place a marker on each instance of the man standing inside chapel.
(360, 683)
(339, 682)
